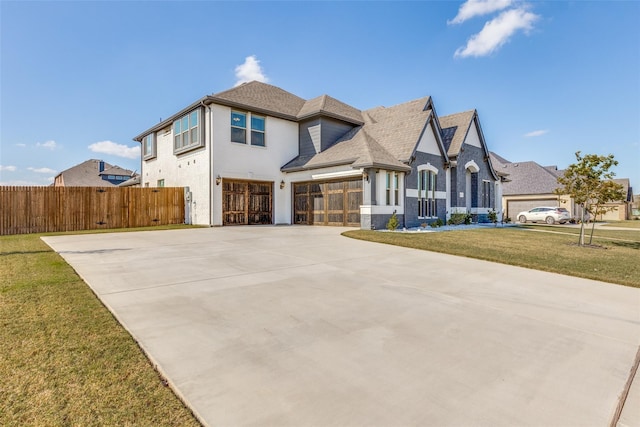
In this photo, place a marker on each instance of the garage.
(247, 202)
(328, 203)
(516, 206)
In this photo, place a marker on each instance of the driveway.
(299, 326)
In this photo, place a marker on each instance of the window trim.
(149, 155)
(427, 189)
(232, 126)
(263, 131)
(189, 132)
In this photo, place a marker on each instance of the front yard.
(65, 360)
(612, 258)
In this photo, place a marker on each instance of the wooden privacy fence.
(26, 210)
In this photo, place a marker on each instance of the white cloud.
(42, 170)
(8, 168)
(51, 145)
(250, 70)
(119, 150)
(473, 8)
(497, 32)
(21, 145)
(536, 133)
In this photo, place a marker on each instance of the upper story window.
(187, 132)
(149, 146)
(257, 130)
(239, 128)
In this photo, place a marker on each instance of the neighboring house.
(530, 185)
(257, 154)
(92, 173)
(620, 210)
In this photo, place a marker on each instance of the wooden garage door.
(246, 202)
(328, 203)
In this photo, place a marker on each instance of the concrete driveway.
(299, 326)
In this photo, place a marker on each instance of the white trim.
(473, 166)
(413, 192)
(381, 209)
(429, 167)
(341, 174)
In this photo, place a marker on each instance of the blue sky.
(80, 79)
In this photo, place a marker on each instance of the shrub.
(457, 219)
(393, 223)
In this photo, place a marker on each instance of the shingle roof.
(329, 106)
(454, 130)
(87, 174)
(261, 97)
(527, 178)
(387, 139)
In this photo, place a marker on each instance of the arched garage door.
(328, 203)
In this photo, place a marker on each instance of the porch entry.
(328, 203)
(247, 202)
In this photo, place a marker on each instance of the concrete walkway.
(299, 326)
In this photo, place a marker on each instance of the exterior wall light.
(218, 180)
(282, 184)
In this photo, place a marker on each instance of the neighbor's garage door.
(328, 203)
(514, 207)
(246, 202)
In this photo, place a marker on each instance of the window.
(161, 183)
(149, 146)
(187, 132)
(427, 184)
(239, 127)
(396, 189)
(486, 194)
(257, 130)
(388, 190)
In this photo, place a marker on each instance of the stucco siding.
(233, 160)
(190, 169)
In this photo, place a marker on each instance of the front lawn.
(632, 223)
(614, 260)
(64, 359)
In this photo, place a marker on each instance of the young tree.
(607, 192)
(588, 182)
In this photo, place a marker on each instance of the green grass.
(626, 224)
(64, 359)
(614, 260)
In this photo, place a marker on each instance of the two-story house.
(257, 154)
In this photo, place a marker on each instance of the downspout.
(210, 183)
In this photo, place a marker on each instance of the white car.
(550, 215)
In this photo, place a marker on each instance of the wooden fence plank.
(26, 210)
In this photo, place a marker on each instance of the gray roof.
(525, 177)
(328, 106)
(626, 188)
(261, 97)
(454, 130)
(87, 174)
(387, 139)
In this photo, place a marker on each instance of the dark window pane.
(238, 135)
(257, 138)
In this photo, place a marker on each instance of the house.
(257, 154)
(529, 185)
(619, 210)
(92, 173)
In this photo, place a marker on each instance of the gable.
(473, 138)
(428, 143)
